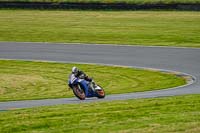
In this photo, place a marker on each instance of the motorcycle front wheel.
(78, 92)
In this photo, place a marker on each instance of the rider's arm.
(85, 76)
(88, 79)
(80, 73)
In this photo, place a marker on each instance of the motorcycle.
(82, 88)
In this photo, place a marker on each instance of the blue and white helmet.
(74, 69)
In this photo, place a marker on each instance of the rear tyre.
(100, 92)
(78, 92)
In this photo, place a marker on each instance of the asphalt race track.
(186, 60)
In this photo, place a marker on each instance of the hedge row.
(99, 6)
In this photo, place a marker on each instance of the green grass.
(115, 1)
(159, 28)
(21, 80)
(179, 114)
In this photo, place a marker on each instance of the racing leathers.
(79, 74)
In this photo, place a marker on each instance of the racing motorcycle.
(83, 88)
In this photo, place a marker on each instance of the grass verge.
(21, 80)
(159, 28)
(172, 114)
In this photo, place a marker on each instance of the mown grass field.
(21, 80)
(179, 114)
(114, 1)
(159, 28)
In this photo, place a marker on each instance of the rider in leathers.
(77, 73)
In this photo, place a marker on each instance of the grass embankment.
(21, 80)
(114, 1)
(159, 115)
(163, 28)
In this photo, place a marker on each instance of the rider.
(77, 73)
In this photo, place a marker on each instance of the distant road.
(186, 60)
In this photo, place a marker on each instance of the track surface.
(185, 60)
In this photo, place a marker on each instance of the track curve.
(185, 60)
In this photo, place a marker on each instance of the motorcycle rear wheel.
(100, 93)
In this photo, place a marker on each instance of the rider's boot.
(92, 86)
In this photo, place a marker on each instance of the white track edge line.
(115, 45)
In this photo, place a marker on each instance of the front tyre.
(100, 92)
(78, 92)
